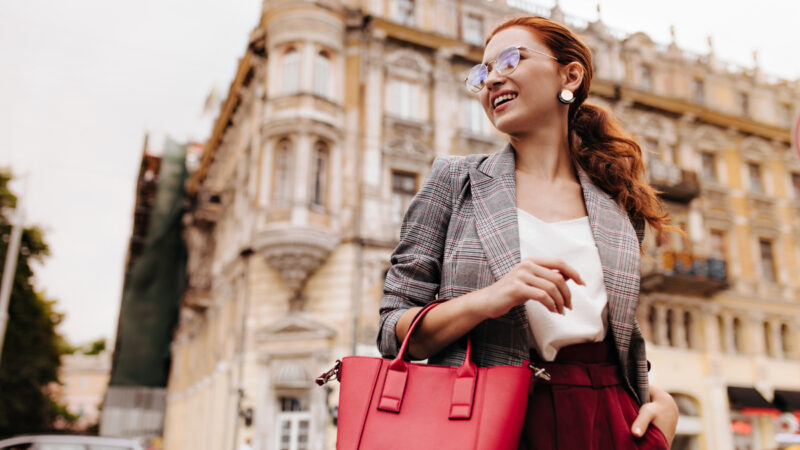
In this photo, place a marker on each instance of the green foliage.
(31, 357)
(95, 347)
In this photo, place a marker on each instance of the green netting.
(153, 288)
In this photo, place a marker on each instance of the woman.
(536, 249)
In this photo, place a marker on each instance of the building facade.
(84, 379)
(334, 117)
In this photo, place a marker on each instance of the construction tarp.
(152, 292)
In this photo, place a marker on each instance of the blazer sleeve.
(415, 274)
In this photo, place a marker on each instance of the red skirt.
(585, 405)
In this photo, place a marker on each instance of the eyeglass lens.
(505, 63)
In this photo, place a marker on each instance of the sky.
(82, 81)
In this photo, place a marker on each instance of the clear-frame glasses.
(505, 63)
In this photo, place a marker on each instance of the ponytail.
(613, 161)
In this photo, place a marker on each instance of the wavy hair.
(598, 143)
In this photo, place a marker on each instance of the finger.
(540, 296)
(559, 281)
(643, 420)
(548, 288)
(560, 265)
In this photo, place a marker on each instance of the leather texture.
(395, 404)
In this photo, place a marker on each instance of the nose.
(494, 79)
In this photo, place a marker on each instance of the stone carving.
(295, 253)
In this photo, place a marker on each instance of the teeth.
(502, 98)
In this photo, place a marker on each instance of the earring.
(566, 96)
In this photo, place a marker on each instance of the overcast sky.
(81, 81)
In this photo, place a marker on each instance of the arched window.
(290, 78)
(320, 165)
(282, 180)
(689, 425)
(322, 75)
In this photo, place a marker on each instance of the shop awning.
(747, 398)
(787, 400)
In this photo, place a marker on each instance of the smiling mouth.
(503, 99)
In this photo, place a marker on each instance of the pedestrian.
(536, 249)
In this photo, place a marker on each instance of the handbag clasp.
(539, 372)
(334, 372)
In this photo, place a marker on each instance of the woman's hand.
(662, 411)
(537, 278)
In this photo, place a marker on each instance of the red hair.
(598, 143)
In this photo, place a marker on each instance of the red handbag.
(394, 404)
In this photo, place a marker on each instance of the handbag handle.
(464, 385)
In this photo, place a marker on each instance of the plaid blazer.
(460, 234)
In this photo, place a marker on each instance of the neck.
(543, 152)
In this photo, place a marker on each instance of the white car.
(67, 442)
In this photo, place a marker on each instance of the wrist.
(476, 305)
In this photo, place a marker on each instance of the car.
(67, 442)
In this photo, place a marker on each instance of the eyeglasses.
(505, 63)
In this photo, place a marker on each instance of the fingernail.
(637, 431)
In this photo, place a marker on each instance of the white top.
(572, 241)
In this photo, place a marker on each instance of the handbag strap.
(394, 385)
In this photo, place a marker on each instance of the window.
(647, 77)
(670, 325)
(717, 244)
(786, 343)
(744, 103)
(403, 11)
(473, 29)
(708, 166)
(475, 119)
(404, 187)
(322, 75)
(786, 115)
(319, 193)
(767, 260)
(294, 421)
(737, 335)
(795, 180)
(698, 90)
(282, 184)
(652, 145)
(754, 175)
(768, 340)
(402, 98)
(290, 78)
(686, 436)
(688, 323)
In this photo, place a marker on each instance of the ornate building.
(333, 119)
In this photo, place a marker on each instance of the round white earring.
(566, 96)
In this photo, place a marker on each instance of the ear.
(572, 76)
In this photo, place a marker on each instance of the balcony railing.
(673, 182)
(684, 273)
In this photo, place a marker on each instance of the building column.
(660, 331)
(775, 338)
(727, 337)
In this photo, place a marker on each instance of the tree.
(30, 359)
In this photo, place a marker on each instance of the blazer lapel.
(618, 247)
(495, 201)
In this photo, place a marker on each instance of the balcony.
(684, 273)
(673, 183)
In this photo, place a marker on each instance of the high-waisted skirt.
(585, 405)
